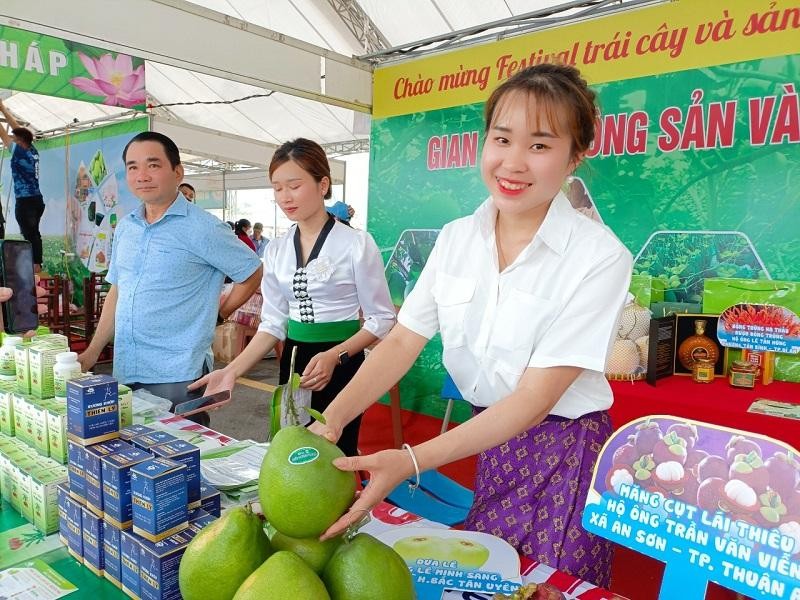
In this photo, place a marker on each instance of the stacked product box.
(125, 512)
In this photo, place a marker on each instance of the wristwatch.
(343, 357)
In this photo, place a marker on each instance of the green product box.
(44, 497)
(125, 406)
(7, 412)
(38, 417)
(57, 340)
(41, 359)
(23, 374)
(57, 433)
(21, 486)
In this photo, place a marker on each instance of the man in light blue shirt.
(163, 303)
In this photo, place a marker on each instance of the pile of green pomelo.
(301, 494)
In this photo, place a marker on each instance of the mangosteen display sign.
(763, 327)
(713, 503)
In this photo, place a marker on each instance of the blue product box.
(198, 518)
(94, 472)
(210, 499)
(188, 454)
(129, 562)
(111, 551)
(146, 441)
(74, 528)
(116, 469)
(62, 493)
(126, 434)
(93, 555)
(158, 566)
(158, 495)
(76, 471)
(92, 409)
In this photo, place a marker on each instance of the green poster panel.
(32, 62)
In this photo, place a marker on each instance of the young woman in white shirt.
(526, 293)
(320, 279)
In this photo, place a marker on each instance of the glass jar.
(743, 374)
(703, 370)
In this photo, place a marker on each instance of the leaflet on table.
(449, 559)
(775, 408)
(714, 504)
(33, 580)
(234, 466)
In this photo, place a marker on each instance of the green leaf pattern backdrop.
(751, 190)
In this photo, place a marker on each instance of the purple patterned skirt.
(531, 492)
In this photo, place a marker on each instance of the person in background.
(242, 230)
(29, 206)
(163, 304)
(187, 189)
(526, 293)
(259, 241)
(319, 278)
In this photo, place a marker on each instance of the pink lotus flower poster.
(32, 62)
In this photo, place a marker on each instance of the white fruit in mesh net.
(634, 322)
(642, 344)
(624, 358)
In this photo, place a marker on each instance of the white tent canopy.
(199, 52)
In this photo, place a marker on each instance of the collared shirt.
(25, 171)
(169, 277)
(260, 244)
(557, 304)
(344, 282)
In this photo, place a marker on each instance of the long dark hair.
(240, 226)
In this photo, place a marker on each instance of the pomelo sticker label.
(303, 455)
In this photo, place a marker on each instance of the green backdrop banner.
(32, 62)
(696, 171)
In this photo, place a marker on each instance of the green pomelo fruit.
(301, 492)
(316, 554)
(228, 550)
(367, 569)
(282, 576)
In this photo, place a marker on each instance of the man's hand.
(88, 359)
(5, 294)
(220, 380)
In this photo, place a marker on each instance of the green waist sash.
(337, 331)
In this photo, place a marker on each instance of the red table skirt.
(716, 403)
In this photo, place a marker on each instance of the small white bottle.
(66, 367)
(8, 366)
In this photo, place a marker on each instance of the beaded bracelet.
(412, 486)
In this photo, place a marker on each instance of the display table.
(716, 402)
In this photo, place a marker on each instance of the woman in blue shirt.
(29, 207)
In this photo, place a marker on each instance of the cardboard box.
(158, 566)
(131, 431)
(198, 518)
(116, 469)
(210, 499)
(129, 548)
(57, 433)
(147, 441)
(158, 491)
(111, 550)
(188, 454)
(94, 471)
(44, 498)
(93, 554)
(38, 419)
(74, 532)
(125, 406)
(41, 358)
(23, 372)
(77, 471)
(62, 491)
(92, 409)
(7, 411)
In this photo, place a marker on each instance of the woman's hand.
(220, 380)
(5, 294)
(387, 469)
(319, 371)
(328, 430)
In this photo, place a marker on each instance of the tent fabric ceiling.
(279, 116)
